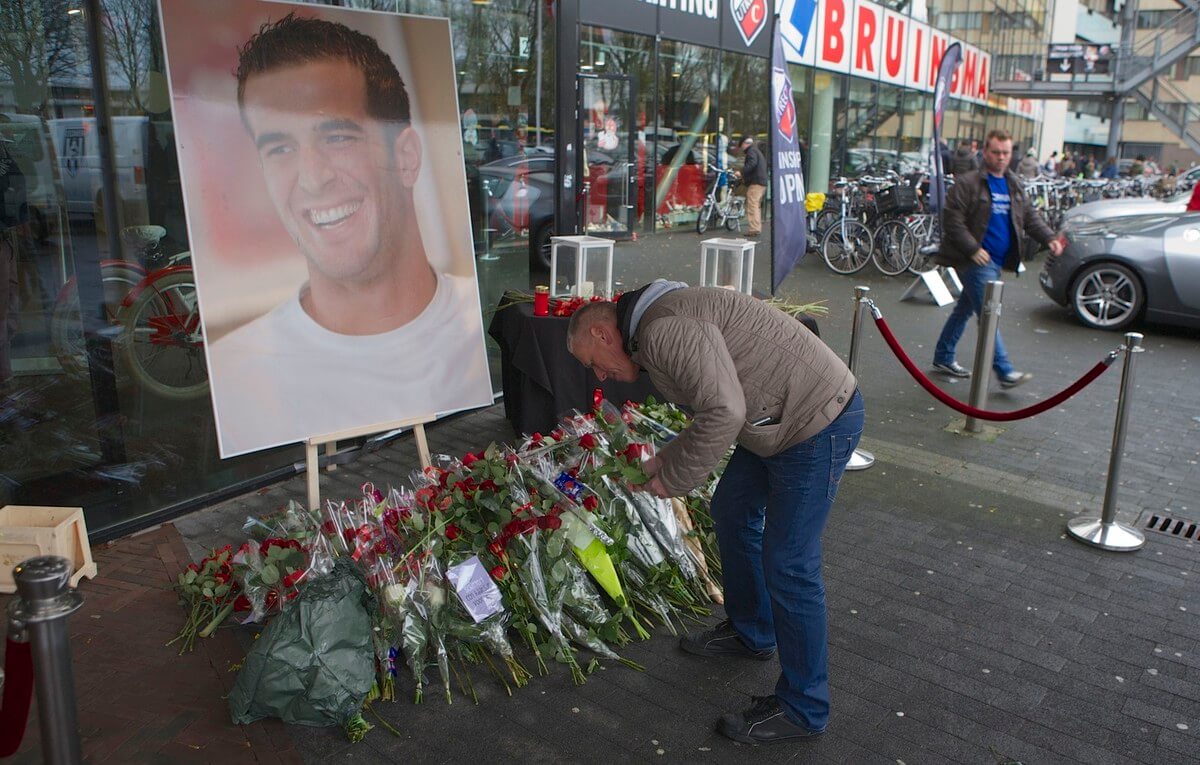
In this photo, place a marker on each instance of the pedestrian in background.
(947, 157)
(754, 174)
(964, 159)
(985, 221)
(1066, 168)
(1051, 166)
(1029, 167)
(1110, 168)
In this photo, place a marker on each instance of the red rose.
(328, 528)
(498, 573)
(633, 452)
(496, 548)
(242, 603)
(291, 579)
(391, 519)
(469, 459)
(452, 532)
(549, 522)
(588, 441)
(557, 434)
(590, 503)
(194, 567)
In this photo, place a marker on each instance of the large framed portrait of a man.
(327, 214)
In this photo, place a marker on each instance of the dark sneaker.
(764, 722)
(722, 640)
(954, 369)
(1014, 378)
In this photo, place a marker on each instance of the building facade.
(603, 116)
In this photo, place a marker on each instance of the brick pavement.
(964, 628)
(138, 700)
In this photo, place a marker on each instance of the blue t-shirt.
(998, 237)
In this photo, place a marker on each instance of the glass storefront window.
(105, 393)
(689, 136)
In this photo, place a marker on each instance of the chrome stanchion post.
(1106, 532)
(44, 603)
(985, 349)
(861, 459)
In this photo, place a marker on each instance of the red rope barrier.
(983, 414)
(18, 693)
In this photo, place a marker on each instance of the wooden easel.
(311, 446)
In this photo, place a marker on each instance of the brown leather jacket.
(965, 220)
(734, 360)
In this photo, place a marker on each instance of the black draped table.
(542, 380)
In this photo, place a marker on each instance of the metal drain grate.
(1176, 527)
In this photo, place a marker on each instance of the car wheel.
(539, 248)
(1107, 296)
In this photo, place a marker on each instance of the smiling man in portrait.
(331, 122)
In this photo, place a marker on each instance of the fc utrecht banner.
(789, 226)
(941, 91)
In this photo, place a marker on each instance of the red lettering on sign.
(918, 33)
(969, 65)
(868, 26)
(937, 49)
(833, 42)
(893, 52)
(981, 89)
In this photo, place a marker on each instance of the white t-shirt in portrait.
(283, 378)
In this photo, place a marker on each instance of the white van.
(77, 147)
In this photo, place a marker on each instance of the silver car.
(1114, 272)
(1106, 209)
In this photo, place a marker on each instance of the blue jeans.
(769, 513)
(974, 281)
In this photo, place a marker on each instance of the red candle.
(541, 301)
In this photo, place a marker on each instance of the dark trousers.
(770, 512)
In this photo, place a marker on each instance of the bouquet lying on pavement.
(543, 549)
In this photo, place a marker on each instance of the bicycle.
(894, 243)
(153, 317)
(847, 243)
(864, 231)
(728, 212)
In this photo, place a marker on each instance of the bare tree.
(127, 38)
(38, 44)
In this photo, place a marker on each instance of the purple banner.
(789, 225)
(941, 91)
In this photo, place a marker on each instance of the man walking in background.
(986, 219)
(754, 173)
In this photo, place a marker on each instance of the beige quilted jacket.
(734, 360)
